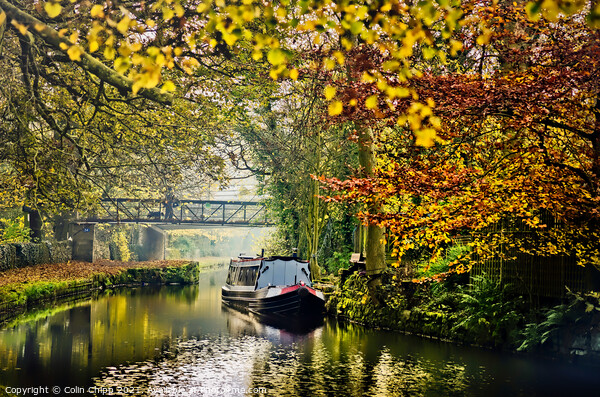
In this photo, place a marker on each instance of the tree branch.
(552, 123)
(87, 62)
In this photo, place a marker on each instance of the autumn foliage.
(511, 152)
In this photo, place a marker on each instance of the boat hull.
(287, 301)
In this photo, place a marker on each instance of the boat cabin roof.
(265, 272)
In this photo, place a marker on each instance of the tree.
(516, 146)
(135, 52)
(284, 142)
(70, 134)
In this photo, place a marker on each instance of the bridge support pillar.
(154, 244)
(83, 236)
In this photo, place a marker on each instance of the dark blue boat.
(275, 286)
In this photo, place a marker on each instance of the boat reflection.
(275, 328)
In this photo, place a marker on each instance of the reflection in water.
(72, 346)
(180, 341)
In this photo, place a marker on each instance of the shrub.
(489, 313)
(579, 316)
(119, 245)
(13, 230)
(442, 265)
(338, 260)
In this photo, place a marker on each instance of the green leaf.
(276, 56)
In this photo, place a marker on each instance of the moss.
(26, 294)
(474, 315)
(184, 274)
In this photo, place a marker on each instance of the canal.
(179, 341)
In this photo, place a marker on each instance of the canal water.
(179, 341)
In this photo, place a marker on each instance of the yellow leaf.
(121, 65)
(109, 53)
(74, 53)
(153, 78)
(153, 51)
(371, 102)
(139, 84)
(168, 86)
(425, 137)
(436, 122)
(329, 64)
(294, 74)
(257, 55)
(329, 92)
(123, 25)
(22, 28)
(93, 45)
(2, 17)
(97, 11)
(428, 52)
(367, 78)
(52, 9)
(484, 37)
(455, 46)
(230, 39)
(167, 13)
(339, 56)
(335, 108)
(276, 56)
(402, 92)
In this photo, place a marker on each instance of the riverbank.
(25, 288)
(482, 313)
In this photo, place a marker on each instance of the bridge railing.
(180, 211)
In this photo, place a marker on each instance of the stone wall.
(17, 255)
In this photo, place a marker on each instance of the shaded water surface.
(179, 341)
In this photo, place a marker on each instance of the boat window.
(233, 275)
(228, 281)
(247, 276)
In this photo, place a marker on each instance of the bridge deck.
(204, 212)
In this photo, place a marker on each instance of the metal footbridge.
(198, 212)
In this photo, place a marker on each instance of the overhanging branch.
(87, 62)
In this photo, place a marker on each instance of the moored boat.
(274, 286)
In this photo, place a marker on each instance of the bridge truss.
(201, 212)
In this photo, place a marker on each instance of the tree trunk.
(35, 224)
(315, 218)
(375, 246)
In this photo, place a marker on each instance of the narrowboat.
(273, 286)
